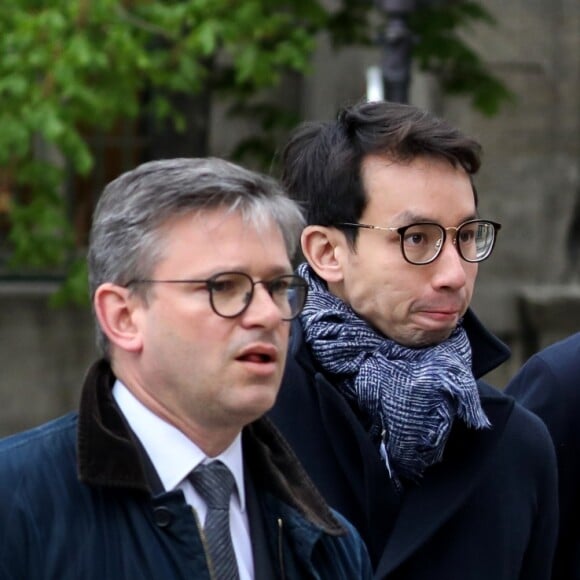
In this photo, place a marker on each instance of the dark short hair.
(321, 162)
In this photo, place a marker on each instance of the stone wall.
(530, 180)
(44, 352)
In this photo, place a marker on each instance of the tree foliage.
(69, 67)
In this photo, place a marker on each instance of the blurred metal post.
(397, 41)
(375, 84)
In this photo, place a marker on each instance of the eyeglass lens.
(422, 243)
(231, 293)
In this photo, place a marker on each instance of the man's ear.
(323, 247)
(115, 309)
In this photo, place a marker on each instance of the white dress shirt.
(174, 456)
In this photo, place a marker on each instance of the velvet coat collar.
(110, 456)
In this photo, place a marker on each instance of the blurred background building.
(528, 293)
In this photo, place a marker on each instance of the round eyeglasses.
(421, 243)
(231, 293)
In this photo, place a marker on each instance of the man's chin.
(255, 406)
(423, 338)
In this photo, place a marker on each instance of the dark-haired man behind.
(444, 476)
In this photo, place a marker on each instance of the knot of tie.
(214, 482)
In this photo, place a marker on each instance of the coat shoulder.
(24, 455)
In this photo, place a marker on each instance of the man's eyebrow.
(409, 217)
(271, 272)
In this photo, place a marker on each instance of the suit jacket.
(488, 511)
(549, 385)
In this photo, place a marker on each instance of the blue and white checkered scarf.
(410, 396)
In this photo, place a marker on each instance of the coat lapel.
(264, 568)
(353, 451)
(371, 492)
(445, 487)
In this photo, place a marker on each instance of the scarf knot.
(409, 396)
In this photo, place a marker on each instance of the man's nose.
(262, 309)
(450, 266)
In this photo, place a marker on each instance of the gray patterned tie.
(214, 482)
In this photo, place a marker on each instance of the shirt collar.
(172, 454)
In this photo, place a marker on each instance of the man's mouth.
(256, 358)
(259, 354)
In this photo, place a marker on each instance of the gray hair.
(126, 240)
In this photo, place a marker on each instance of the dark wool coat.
(549, 385)
(488, 511)
(76, 504)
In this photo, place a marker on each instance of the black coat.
(549, 385)
(488, 511)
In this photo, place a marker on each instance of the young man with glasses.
(444, 476)
(168, 470)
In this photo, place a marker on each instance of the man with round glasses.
(231, 293)
(169, 471)
(444, 476)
